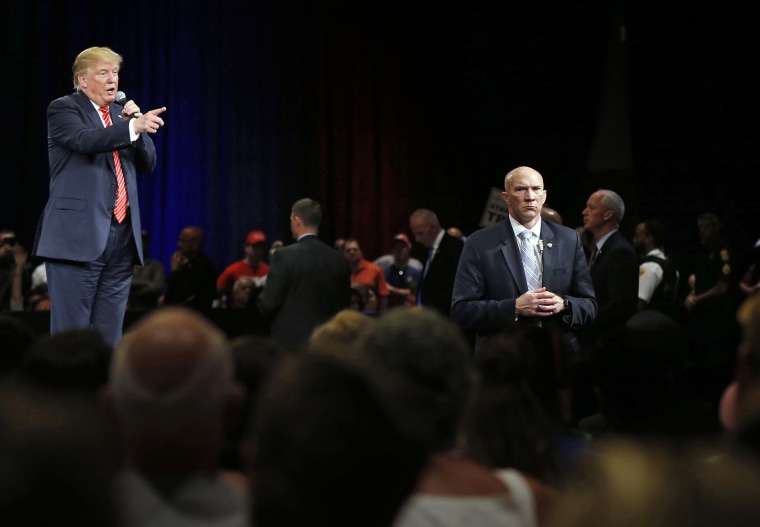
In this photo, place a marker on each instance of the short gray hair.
(613, 201)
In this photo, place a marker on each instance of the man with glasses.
(523, 271)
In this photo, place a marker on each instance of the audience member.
(16, 337)
(308, 282)
(255, 358)
(366, 273)
(740, 406)
(173, 395)
(275, 245)
(148, 280)
(443, 252)
(636, 374)
(386, 260)
(334, 445)
(658, 276)
(515, 419)
(252, 265)
(750, 282)
(73, 362)
(456, 232)
(243, 290)
(431, 354)
(496, 289)
(15, 272)
(339, 243)
(658, 485)
(549, 214)
(192, 280)
(39, 299)
(403, 279)
(56, 459)
(340, 332)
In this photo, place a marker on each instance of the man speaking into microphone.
(89, 232)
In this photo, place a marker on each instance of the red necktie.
(120, 208)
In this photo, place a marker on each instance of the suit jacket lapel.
(548, 254)
(511, 253)
(94, 117)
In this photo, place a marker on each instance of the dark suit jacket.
(490, 278)
(308, 282)
(615, 274)
(438, 282)
(77, 218)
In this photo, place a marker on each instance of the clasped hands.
(143, 122)
(539, 303)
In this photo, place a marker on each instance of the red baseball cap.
(403, 238)
(256, 237)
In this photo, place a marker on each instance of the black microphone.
(121, 100)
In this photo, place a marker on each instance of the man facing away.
(308, 282)
(89, 233)
(523, 270)
(173, 395)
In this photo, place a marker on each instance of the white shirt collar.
(517, 227)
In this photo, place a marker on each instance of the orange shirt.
(372, 276)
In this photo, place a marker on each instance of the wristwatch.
(567, 304)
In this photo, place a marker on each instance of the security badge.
(724, 256)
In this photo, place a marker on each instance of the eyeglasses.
(11, 241)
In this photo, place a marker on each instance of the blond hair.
(89, 58)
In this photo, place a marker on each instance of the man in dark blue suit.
(491, 291)
(89, 233)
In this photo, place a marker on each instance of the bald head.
(525, 195)
(166, 348)
(171, 378)
(191, 240)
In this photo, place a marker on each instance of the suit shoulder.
(488, 234)
(561, 230)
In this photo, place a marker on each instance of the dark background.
(376, 108)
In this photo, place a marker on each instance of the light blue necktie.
(529, 258)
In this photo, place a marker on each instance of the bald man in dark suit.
(492, 291)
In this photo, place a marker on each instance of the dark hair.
(76, 360)
(507, 426)
(332, 446)
(309, 211)
(430, 352)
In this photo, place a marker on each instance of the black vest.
(664, 296)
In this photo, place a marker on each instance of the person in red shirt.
(251, 265)
(366, 273)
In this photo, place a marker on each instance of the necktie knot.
(526, 235)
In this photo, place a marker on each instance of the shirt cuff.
(133, 136)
